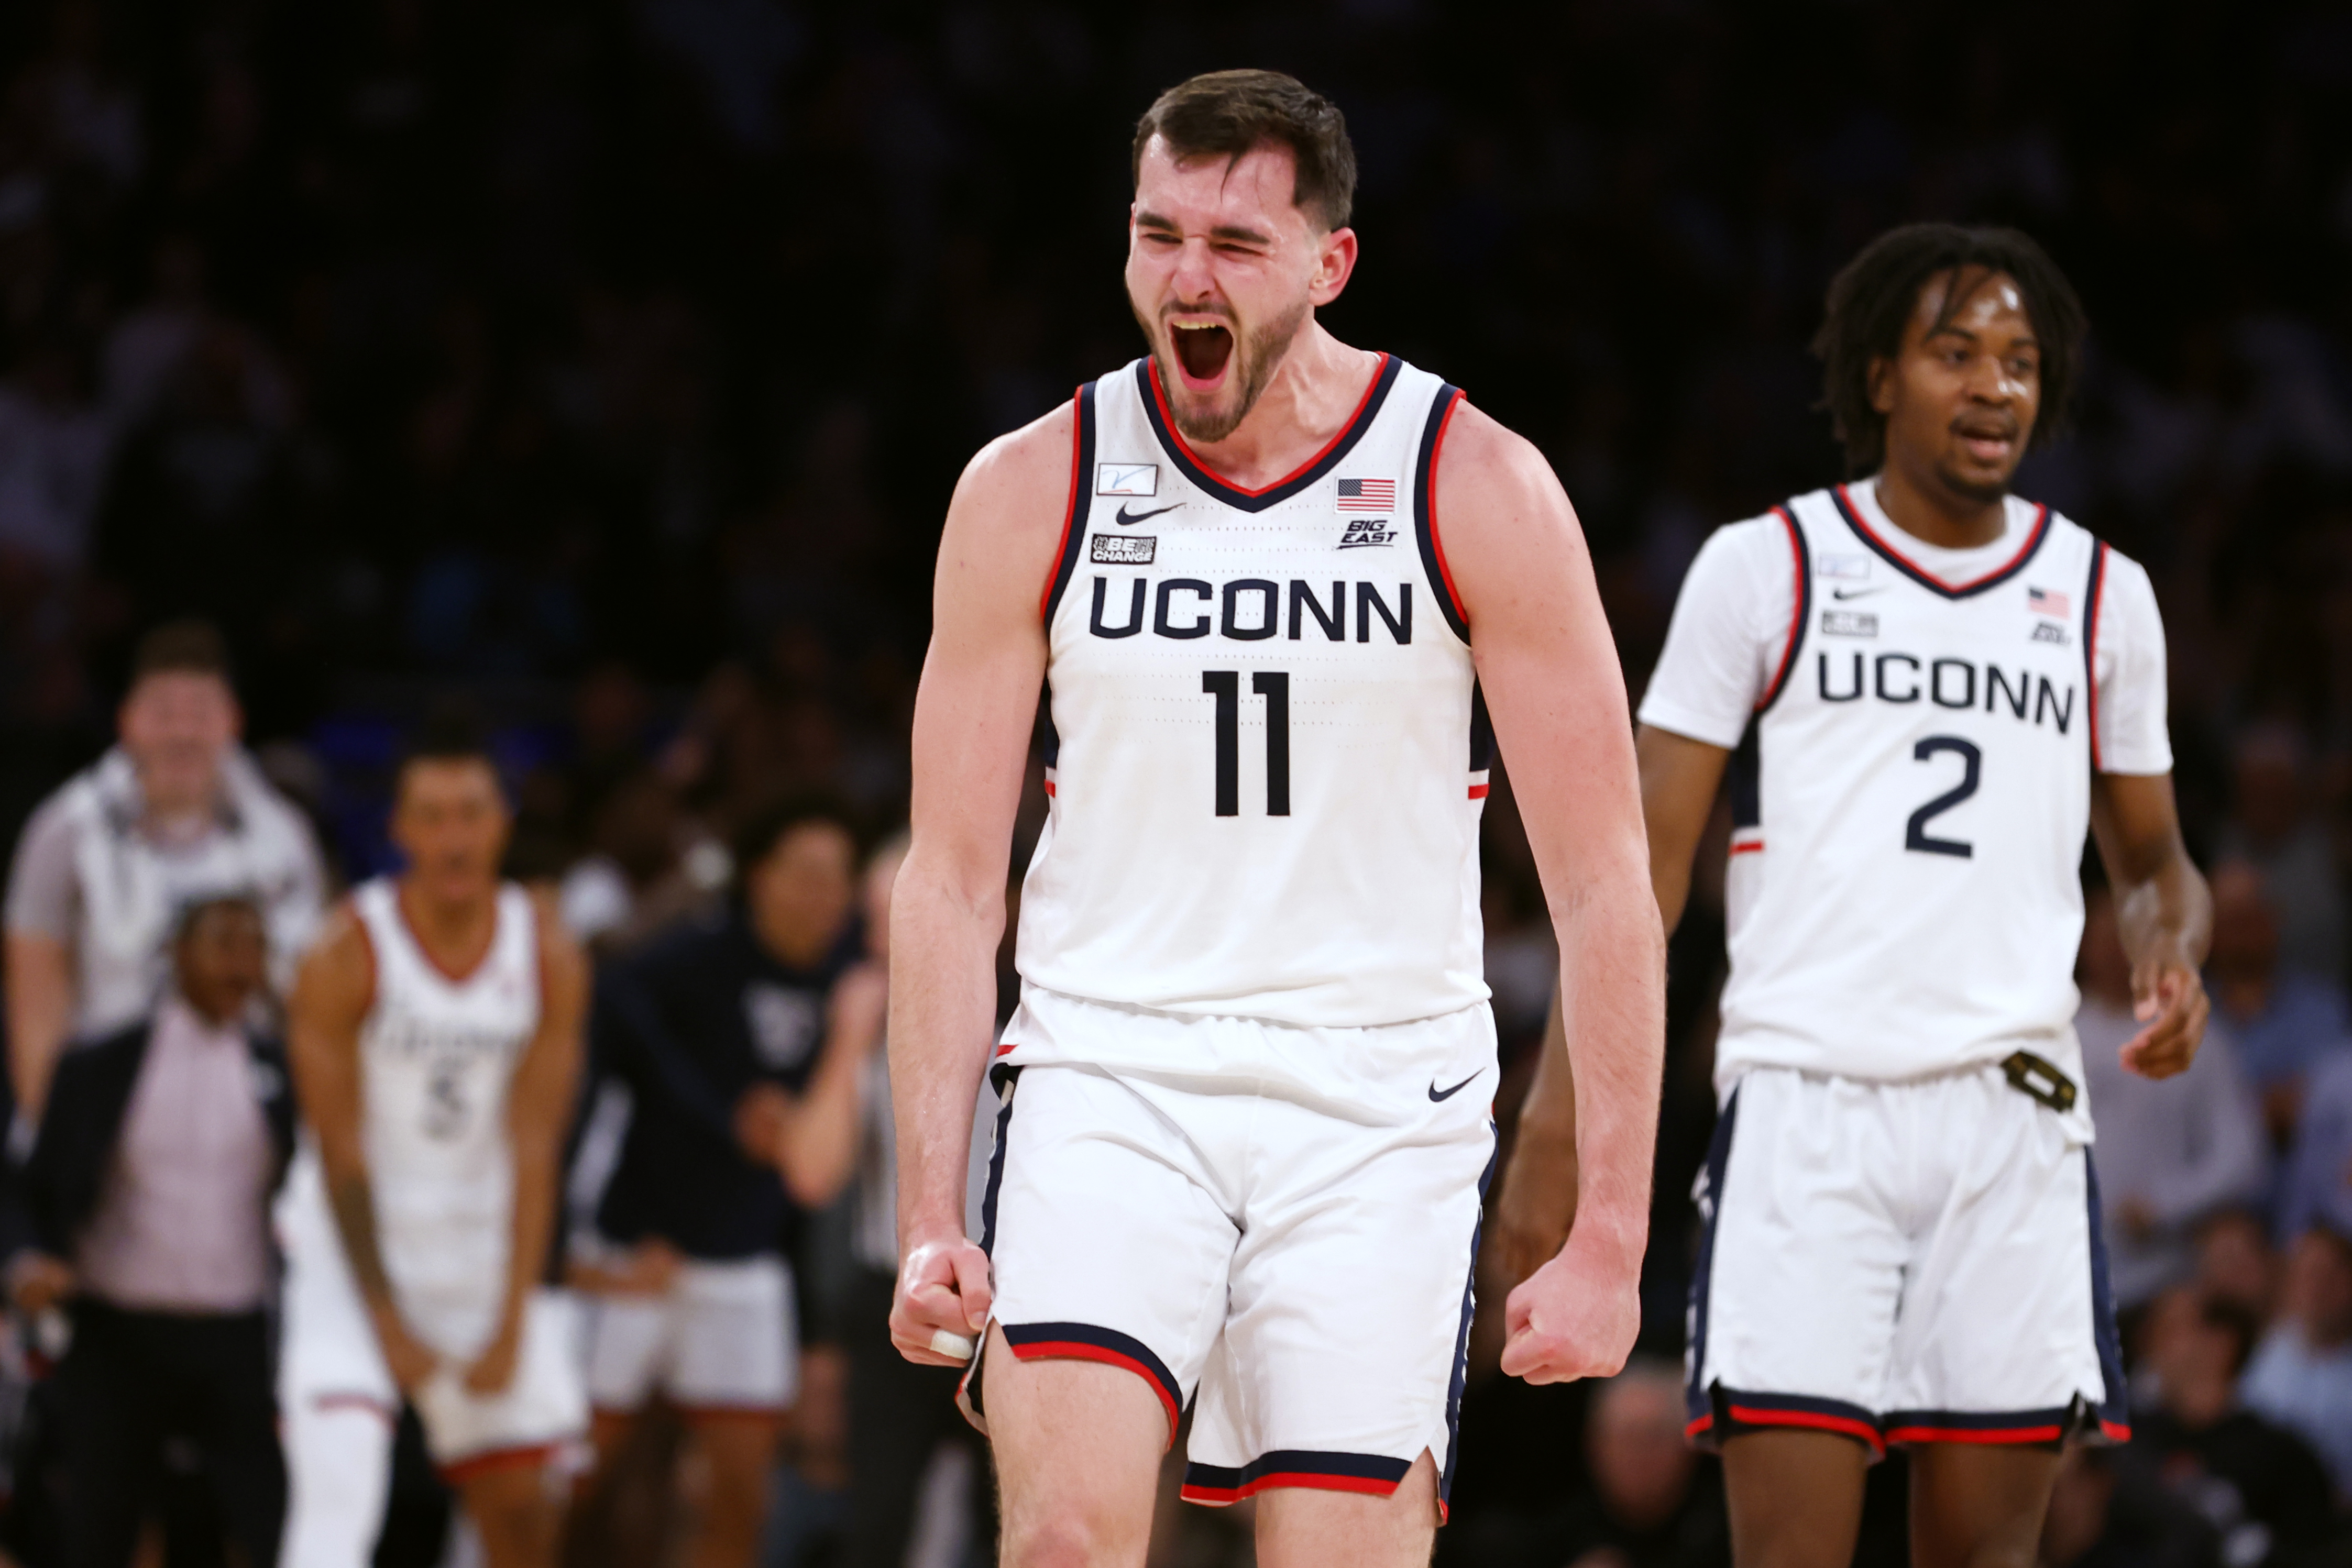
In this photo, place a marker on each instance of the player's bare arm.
(41, 1012)
(2165, 915)
(974, 713)
(538, 1111)
(812, 1139)
(332, 991)
(1550, 674)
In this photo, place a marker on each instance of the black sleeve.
(633, 1042)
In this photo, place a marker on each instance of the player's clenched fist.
(1574, 1317)
(941, 1306)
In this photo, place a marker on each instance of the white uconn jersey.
(1911, 795)
(437, 1056)
(1266, 753)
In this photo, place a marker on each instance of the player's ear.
(1335, 262)
(1880, 379)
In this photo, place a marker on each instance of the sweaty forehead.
(1255, 190)
(1989, 301)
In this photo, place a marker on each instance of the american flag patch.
(2041, 602)
(1368, 495)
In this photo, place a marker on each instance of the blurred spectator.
(2301, 1376)
(2170, 1153)
(2235, 1262)
(148, 1195)
(2318, 1187)
(1646, 1508)
(648, 865)
(2258, 1485)
(2284, 1023)
(53, 445)
(900, 1415)
(743, 1044)
(2275, 829)
(177, 810)
(2106, 1515)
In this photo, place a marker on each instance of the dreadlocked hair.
(1874, 296)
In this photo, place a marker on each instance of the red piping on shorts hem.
(1217, 1497)
(2115, 1431)
(1077, 1350)
(462, 1471)
(1994, 1435)
(1748, 1416)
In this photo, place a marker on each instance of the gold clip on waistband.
(2028, 1074)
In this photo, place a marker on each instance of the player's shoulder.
(1022, 463)
(1479, 450)
(340, 965)
(562, 960)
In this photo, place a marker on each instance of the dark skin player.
(1959, 398)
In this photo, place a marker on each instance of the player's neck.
(454, 930)
(1315, 391)
(1934, 513)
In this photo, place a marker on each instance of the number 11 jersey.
(1264, 750)
(1914, 733)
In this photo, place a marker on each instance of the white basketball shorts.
(722, 1340)
(1295, 1259)
(1915, 1262)
(330, 1358)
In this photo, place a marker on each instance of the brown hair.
(1229, 114)
(180, 647)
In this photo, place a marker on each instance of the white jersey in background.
(1916, 729)
(1265, 749)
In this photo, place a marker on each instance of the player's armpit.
(2164, 913)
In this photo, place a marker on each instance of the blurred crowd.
(613, 361)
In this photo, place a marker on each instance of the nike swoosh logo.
(1437, 1093)
(1855, 593)
(1126, 517)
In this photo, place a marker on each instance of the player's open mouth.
(1987, 444)
(1203, 350)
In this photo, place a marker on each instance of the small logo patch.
(1129, 520)
(2042, 601)
(1842, 594)
(1368, 495)
(1126, 478)
(1853, 568)
(2049, 632)
(1849, 623)
(1122, 550)
(1368, 531)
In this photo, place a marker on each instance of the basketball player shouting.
(435, 1038)
(1264, 578)
(1926, 691)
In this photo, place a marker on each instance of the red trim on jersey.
(2032, 542)
(1796, 615)
(1437, 544)
(1315, 1480)
(460, 1471)
(1478, 791)
(1049, 787)
(1987, 1434)
(1007, 1049)
(1176, 436)
(1077, 488)
(2091, 644)
(1079, 1350)
(1750, 848)
(1751, 1415)
(400, 915)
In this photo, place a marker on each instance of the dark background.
(615, 361)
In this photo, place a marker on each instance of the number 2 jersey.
(1266, 753)
(1913, 732)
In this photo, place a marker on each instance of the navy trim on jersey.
(1376, 1473)
(1455, 1385)
(1232, 494)
(1804, 612)
(1424, 512)
(2115, 1404)
(1074, 522)
(1894, 558)
(2091, 593)
(1718, 1155)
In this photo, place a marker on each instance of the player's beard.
(1257, 354)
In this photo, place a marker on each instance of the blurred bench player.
(1264, 578)
(435, 1038)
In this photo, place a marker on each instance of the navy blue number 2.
(1917, 837)
(1274, 686)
